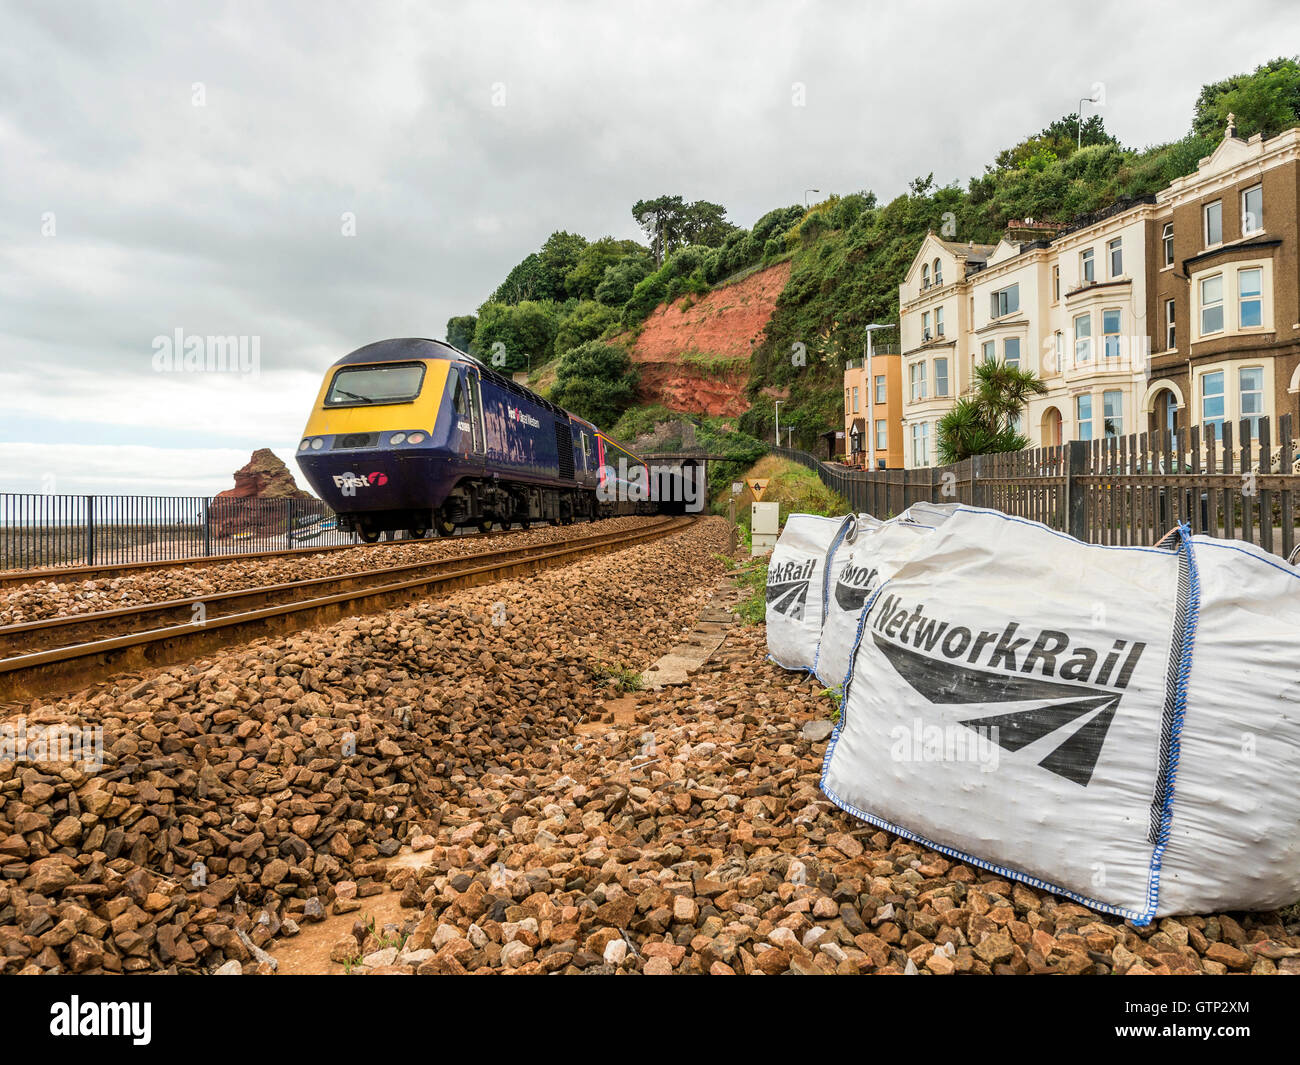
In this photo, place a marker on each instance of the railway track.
(14, 578)
(64, 653)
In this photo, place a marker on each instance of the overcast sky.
(195, 166)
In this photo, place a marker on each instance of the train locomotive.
(416, 435)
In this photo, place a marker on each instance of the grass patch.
(751, 578)
(622, 678)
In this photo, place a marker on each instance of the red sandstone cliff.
(697, 359)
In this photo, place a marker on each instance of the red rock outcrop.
(695, 356)
(264, 476)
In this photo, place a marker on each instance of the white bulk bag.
(1016, 699)
(1234, 837)
(795, 586)
(868, 554)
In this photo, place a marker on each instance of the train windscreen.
(356, 385)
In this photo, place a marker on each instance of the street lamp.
(1079, 126)
(805, 195)
(871, 396)
(778, 421)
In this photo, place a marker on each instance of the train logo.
(350, 482)
(787, 588)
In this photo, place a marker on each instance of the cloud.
(458, 137)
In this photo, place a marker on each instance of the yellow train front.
(413, 434)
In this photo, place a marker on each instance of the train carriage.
(413, 434)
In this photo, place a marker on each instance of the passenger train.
(416, 435)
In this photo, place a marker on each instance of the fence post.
(1076, 521)
(90, 530)
(206, 502)
(976, 490)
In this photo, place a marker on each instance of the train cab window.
(459, 399)
(586, 451)
(355, 386)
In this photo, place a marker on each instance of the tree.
(1266, 101)
(460, 331)
(587, 321)
(985, 424)
(597, 257)
(615, 289)
(595, 381)
(525, 331)
(669, 222)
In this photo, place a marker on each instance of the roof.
(403, 350)
(972, 252)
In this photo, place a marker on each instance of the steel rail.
(80, 665)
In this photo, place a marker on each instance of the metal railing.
(1128, 490)
(40, 531)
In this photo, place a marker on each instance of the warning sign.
(758, 487)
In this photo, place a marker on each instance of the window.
(1170, 344)
(1058, 351)
(938, 321)
(1005, 301)
(1110, 334)
(1115, 251)
(1086, 270)
(1250, 313)
(882, 435)
(925, 275)
(1212, 304)
(1011, 351)
(1214, 222)
(394, 383)
(1083, 338)
(1056, 283)
(1252, 211)
(1251, 383)
(880, 388)
(459, 400)
(989, 350)
(940, 377)
(921, 444)
(847, 408)
(938, 273)
(1212, 404)
(1167, 240)
(1083, 416)
(917, 372)
(925, 326)
(1112, 412)
(855, 399)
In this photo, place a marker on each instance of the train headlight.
(415, 438)
(317, 444)
(304, 445)
(397, 438)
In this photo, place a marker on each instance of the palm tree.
(985, 423)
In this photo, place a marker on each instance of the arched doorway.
(1050, 427)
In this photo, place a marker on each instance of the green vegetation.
(751, 578)
(719, 366)
(622, 678)
(985, 423)
(796, 488)
(596, 381)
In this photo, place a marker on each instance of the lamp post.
(1079, 127)
(805, 195)
(778, 421)
(871, 396)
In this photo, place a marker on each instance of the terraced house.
(1186, 303)
(1225, 292)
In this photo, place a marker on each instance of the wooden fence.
(1127, 490)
